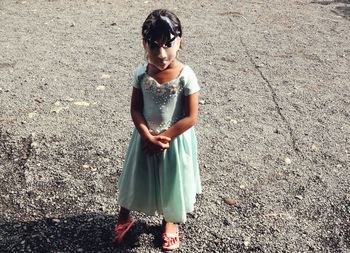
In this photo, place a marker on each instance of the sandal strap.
(171, 240)
(121, 227)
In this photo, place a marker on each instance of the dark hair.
(161, 24)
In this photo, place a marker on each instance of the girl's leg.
(171, 240)
(124, 224)
(124, 215)
(169, 227)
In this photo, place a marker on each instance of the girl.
(160, 172)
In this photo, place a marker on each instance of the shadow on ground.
(82, 233)
(343, 11)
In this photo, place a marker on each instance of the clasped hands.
(153, 144)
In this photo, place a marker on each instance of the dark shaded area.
(337, 231)
(331, 2)
(343, 11)
(82, 233)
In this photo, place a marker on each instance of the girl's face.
(161, 54)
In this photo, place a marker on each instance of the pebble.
(39, 100)
(105, 76)
(58, 109)
(56, 220)
(31, 115)
(287, 160)
(229, 201)
(34, 144)
(100, 87)
(201, 102)
(82, 103)
(85, 166)
(299, 197)
(246, 241)
(216, 241)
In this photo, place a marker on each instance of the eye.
(168, 44)
(153, 45)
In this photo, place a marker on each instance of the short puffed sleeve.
(191, 83)
(139, 72)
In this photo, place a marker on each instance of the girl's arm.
(154, 143)
(191, 107)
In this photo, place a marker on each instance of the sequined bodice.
(164, 104)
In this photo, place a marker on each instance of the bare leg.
(124, 224)
(124, 215)
(169, 227)
(171, 240)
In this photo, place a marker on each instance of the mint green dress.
(165, 183)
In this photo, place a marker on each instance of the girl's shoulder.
(140, 69)
(139, 73)
(187, 73)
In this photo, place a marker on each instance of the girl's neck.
(166, 75)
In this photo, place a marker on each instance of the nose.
(161, 53)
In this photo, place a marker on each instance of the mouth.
(162, 63)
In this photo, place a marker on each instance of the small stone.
(39, 100)
(287, 160)
(314, 147)
(216, 241)
(299, 197)
(114, 24)
(57, 103)
(58, 109)
(246, 241)
(85, 166)
(31, 115)
(34, 144)
(234, 121)
(68, 99)
(201, 102)
(100, 87)
(242, 186)
(56, 220)
(227, 118)
(229, 201)
(82, 103)
(105, 76)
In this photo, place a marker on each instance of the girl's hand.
(155, 144)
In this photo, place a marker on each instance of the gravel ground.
(273, 132)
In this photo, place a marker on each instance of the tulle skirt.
(164, 183)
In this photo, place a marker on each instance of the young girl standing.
(160, 172)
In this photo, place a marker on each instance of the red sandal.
(121, 229)
(171, 241)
